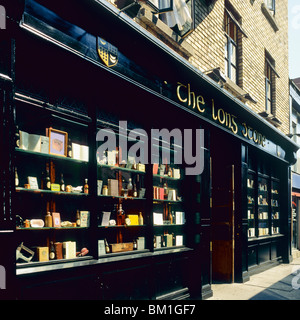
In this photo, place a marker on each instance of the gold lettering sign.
(190, 97)
(196, 101)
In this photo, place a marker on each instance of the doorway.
(224, 156)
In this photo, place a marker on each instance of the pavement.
(281, 282)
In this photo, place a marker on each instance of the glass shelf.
(49, 156)
(41, 191)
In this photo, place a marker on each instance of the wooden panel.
(263, 252)
(222, 260)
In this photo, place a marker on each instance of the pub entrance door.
(223, 209)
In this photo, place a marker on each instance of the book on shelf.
(155, 168)
(179, 217)
(168, 240)
(158, 218)
(84, 219)
(179, 240)
(101, 248)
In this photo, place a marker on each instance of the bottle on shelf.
(62, 183)
(120, 216)
(165, 191)
(135, 193)
(52, 253)
(78, 218)
(134, 244)
(48, 220)
(69, 151)
(47, 180)
(16, 178)
(170, 218)
(170, 173)
(17, 137)
(86, 187)
(130, 188)
(141, 219)
(107, 249)
(105, 190)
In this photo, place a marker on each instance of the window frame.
(231, 30)
(271, 5)
(159, 10)
(182, 34)
(269, 87)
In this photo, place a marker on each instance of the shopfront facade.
(294, 107)
(226, 220)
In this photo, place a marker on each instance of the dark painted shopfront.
(185, 231)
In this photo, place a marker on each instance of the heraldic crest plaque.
(107, 52)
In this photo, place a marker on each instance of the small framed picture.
(33, 183)
(56, 219)
(58, 142)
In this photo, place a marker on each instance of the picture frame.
(56, 220)
(33, 183)
(57, 142)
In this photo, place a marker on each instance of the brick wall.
(209, 39)
(205, 46)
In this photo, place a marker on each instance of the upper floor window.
(270, 87)
(270, 5)
(181, 17)
(161, 5)
(231, 47)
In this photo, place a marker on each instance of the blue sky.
(294, 38)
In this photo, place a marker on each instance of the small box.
(43, 253)
(140, 243)
(121, 247)
(58, 250)
(168, 240)
(176, 173)
(141, 167)
(101, 248)
(134, 219)
(113, 187)
(158, 241)
(69, 249)
(179, 240)
(55, 187)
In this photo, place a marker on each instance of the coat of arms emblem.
(107, 52)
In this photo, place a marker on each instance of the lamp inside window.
(180, 18)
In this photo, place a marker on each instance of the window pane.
(233, 54)
(233, 74)
(181, 18)
(226, 67)
(161, 5)
(267, 89)
(270, 4)
(268, 107)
